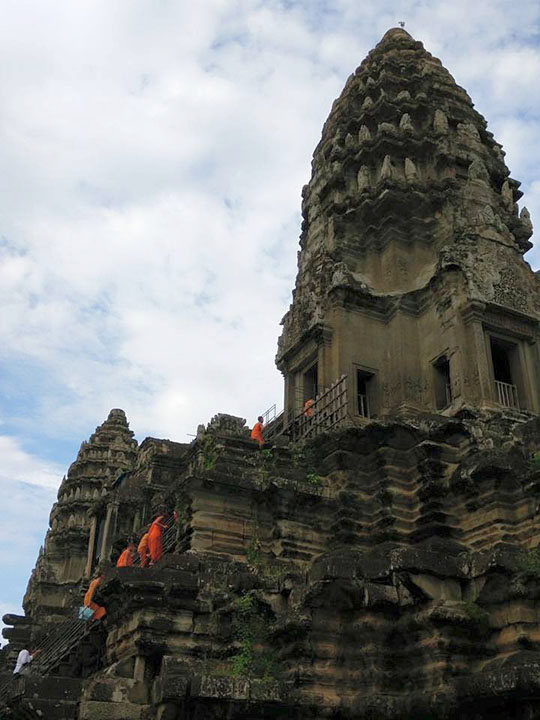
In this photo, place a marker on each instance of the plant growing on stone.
(530, 561)
(209, 452)
(478, 616)
(253, 555)
(250, 629)
(535, 460)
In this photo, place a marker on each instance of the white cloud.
(18, 466)
(28, 488)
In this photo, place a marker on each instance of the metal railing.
(274, 428)
(363, 405)
(59, 643)
(507, 394)
(270, 415)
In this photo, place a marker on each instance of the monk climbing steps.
(155, 536)
(99, 611)
(126, 557)
(142, 549)
(256, 433)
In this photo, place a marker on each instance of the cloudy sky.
(153, 153)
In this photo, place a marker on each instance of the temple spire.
(410, 220)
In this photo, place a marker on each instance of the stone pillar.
(478, 385)
(108, 531)
(91, 541)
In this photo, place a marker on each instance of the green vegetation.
(254, 555)
(535, 460)
(302, 456)
(530, 561)
(478, 616)
(181, 515)
(251, 627)
(210, 452)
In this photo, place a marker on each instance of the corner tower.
(64, 561)
(411, 279)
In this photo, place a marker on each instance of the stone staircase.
(49, 698)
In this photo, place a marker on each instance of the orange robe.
(125, 559)
(256, 433)
(308, 408)
(99, 611)
(155, 534)
(142, 549)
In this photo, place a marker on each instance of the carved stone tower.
(63, 561)
(411, 278)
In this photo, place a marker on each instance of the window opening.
(362, 400)
(503, 357)
(443, 386)
(310, 384)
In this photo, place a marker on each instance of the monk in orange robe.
(99, 611)
(142, 549)
(126, 557)
(256, 433)
(155, 535)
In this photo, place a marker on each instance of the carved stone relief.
(509, 292)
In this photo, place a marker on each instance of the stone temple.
(379, 558)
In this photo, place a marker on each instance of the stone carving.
(227, 425)
(386, 128)
(363, 134)
(525, 218)
(410, 170)
(363, 178)
(403, 95)
(498, 152)
(341, 277)
(507, 194)
(387, 169)
(509, 291)
(349, 141)
(468, 131)
(477, 171)
(368, 102)
(440, 122)
(486, 216)
(405, 123)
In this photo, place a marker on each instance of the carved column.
(478, 381)
(108, 531)
(91, 542)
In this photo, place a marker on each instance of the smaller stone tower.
(63, 561)
(411, 280)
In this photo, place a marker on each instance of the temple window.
(310, 384)
(505, 361)
(363, 380)
(442, 384)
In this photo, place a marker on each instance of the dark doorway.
(500, 355)
(443, 386)
(505, 361)
(311, 383)
(363, 379)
